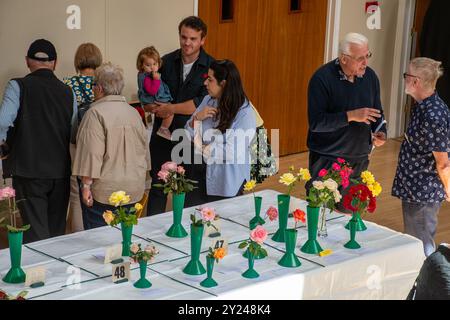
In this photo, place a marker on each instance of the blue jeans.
(420, 220)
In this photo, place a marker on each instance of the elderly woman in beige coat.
(112, 148)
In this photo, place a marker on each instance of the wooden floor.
(383, 165)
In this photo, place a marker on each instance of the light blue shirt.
(229, 160)
(10, 107)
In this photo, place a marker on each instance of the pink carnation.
(208, 214)
(272, 213)
(163, 175)
(7, 192)
(340, 160)
(169, 166)
(258, 235)
(181, 170)
(336, 167)
(323, 173)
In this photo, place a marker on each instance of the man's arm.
(443, 169)
(166, 110)
(9, 108)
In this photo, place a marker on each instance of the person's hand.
(150, 107)
(86, 195)
(156, 75)
(365, 115)
(379, 139)
(207, 112)
(164, 110)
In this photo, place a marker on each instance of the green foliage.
(126, 216)
(177, 183)
(253, 247)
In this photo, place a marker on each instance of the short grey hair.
(352, 38)
(110, 78)
(428, 70)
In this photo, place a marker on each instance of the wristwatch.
(86, 185)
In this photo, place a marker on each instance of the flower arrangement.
(208, 215)
(291, 178)
(340, 172)
(254, 243)
(121, 215)
(138, 255)
(360, 199)
(324, 193)
(216, 254)
(20, 296)
(9, 194)
(174, 178)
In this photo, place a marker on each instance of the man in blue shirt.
(344, 110)
(422, 180)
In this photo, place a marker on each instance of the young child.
(151, 88)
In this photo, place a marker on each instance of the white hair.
(352, 38)
(428, 70)
(110, 78)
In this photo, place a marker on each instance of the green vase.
(312, 246)
(360, 226)
(257, 220)
(195, 267)
(250, 273)
(177, 230)
(260, 256)
(15, 274)
(352, 244)
(209, 282)
(290, 260)
(283, 211)
(126, 239)
(142, 283)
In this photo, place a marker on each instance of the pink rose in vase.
(272, 213)
(258, 235)
(163, 175)
(180, 170)
(208, 214)
(169, 166)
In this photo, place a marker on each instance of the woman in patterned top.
(87, 58)
(422, 180)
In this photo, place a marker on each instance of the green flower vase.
(126, 239)
(142, 283)
(312, 246)
(251, 272)
(257, 220)
(352, 244)
(360, 226)
(283, 210)
(290, 260)
(177, 230)
(15, 274)
(260, 256)
(195, 267)
(209, 282)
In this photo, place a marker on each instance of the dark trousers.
(44, 206)
(93, 216)
(160, 152)
(318, 162)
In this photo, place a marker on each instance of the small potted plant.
(142, 257)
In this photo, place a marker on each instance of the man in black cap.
(35, 123)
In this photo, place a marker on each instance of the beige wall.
(119, 28)
(382, 42)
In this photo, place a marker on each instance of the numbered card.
(113, 253)
(220, 243)
(211, 231)
(121, 272)
(35, 275)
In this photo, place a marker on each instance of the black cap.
(42, 50)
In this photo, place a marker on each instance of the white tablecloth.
(384, 268)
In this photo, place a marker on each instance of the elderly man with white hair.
(422, 180)
(112, 148)
(344, 109)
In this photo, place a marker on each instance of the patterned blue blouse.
(417, 179)
(82, 87)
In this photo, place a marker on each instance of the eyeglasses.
(360, 59)
(405, 75)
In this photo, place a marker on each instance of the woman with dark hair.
(222, 128)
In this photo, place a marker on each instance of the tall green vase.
(257, 220)
(360, 226)
(142, 283)
(250, 273)
(290, 260)
(312, 246)
(195, 267)
(177, 230)
(209, 282)
(15, 274)
(283, 211)
(126, 239)
(352, 244)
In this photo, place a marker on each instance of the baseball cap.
(42, 50)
